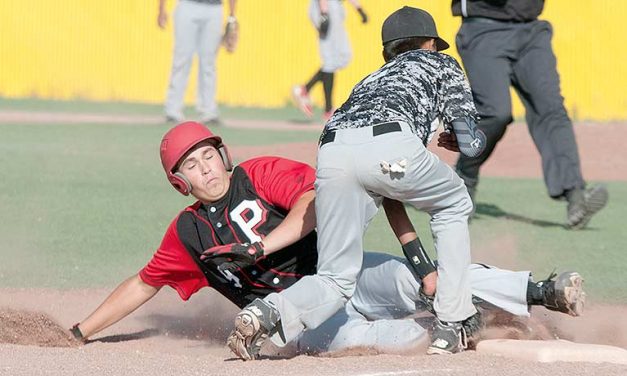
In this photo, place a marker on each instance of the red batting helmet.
(178, 141)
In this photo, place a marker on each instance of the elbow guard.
(470, 140)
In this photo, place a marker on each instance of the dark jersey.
(261, 193)
(503, 10)
(418, 87)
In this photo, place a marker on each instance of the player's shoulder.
(256, 161)
(448, 59)
(186, 215)
(422, 55)
(268, 162)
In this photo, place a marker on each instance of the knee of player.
(466, 205)
(343, 284)
(463, 203)
(494, 122)
(552, 111)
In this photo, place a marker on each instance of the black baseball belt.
(377, 130)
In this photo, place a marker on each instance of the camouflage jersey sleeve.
(455, 97)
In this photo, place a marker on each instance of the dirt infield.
(168, 336)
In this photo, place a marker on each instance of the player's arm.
(360, 10)
(300, 221)
(324, 6)
(458, 110)
(162, 17)
(232, 8)
(126, 298)
(412, 248)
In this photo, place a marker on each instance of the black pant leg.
(486, 51)
(537, 82)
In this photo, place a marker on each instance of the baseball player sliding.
(251, 233)
(373, 147)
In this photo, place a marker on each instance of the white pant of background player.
(197, 30)
(387, 292)
(349, 186)
(335, 49)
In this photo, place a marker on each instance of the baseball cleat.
(563, 293)
(447, 338)
(583, 205)
(302, 100)
(253, 325)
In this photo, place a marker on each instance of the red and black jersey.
(261, 193)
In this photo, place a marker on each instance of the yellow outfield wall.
(113, 50)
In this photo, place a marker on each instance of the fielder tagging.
(373, 147)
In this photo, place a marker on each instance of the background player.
(267, 202)
(374, 147)
(197, 30)
(327, 17)
(503, 43)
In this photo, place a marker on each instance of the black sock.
(327, 84)
(316, 77)
(535, 294)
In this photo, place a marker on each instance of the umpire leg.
(485, 50)
(537, 82)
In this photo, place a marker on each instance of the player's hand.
(323, 28)
(235, 255)
(162, 19)
(448, 141)
(429, 283)
(230, 37)
(363, 15)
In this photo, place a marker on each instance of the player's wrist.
(259, 249)
(76, 332)
(419, 260)
(231, 19)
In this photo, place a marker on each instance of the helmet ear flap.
(180, 183)
(226, 157)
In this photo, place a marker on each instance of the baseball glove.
(234, 256)
(231, 35)
(323, 28)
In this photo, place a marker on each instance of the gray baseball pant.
(197, 29)
(350, 184)
(387, 292)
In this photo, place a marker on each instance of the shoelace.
(547, 289)
(552, 275)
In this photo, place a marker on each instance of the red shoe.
(302, 100)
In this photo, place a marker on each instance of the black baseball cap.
(410, 22)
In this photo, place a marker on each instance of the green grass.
(518, 226)
(86, 206)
